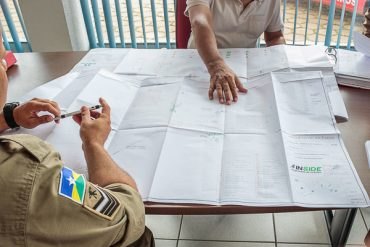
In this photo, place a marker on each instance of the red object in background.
(183, 27)
(10, 59)
(350, 5)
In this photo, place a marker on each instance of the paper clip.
(332, 54)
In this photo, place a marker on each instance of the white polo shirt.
(236, 27)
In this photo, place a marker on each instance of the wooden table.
(34, 69)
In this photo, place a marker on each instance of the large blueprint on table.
(277, 146)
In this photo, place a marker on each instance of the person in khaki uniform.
(44, 203)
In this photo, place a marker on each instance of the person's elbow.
(274, 38)
(199, 22)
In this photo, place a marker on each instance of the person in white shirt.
(231, 24)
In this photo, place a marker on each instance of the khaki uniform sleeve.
(51, 205)
(191, 3)
(134, 211)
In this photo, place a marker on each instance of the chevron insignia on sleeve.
(101, 202)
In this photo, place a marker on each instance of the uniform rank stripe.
(114, 208)
(111, 204)
(100, 200)
(105, 201)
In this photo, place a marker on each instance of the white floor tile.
(164, 226)
(303, 245)
(366, 214)
(165, 243)
(358, 231)
(189, 243)
(247, 227)
(302, 227)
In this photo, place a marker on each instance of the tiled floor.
(305, 229)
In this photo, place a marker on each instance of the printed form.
(278, 146)
(246, 63)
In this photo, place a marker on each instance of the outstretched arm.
(223, 79)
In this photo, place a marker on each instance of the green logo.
(307, 169)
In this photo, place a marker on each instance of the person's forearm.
(3, 124)
(280, 40)
(205, 42)
(102, 169)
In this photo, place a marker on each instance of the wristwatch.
(8, 114)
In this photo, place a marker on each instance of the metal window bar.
(318, 23)
(354, 14)
(155, 27)
(5, 39)
(13, 31)
(307, 20)
(109, 23)
(21, 20)
(167, 25)
(97, 21)
(88, 23)
(131, 23)
(95, 32)
(295, 20)
(344, 5)
(143, 23)
(120, 23)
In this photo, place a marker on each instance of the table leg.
(340, 224)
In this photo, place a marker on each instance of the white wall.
(54, 25)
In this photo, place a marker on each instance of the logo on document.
(306, 169)
(72, 185)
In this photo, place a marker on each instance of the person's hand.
(95, 126)
(3, 76)
(225, 82)
(3, 86)
(26, 115)
(367, 239)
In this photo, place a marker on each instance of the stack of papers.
(353, 68)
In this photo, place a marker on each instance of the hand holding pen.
(70, 114)
(95, 126)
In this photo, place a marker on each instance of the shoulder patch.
(72, 185)
(101, 202)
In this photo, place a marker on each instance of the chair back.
(183, 27)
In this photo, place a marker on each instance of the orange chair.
(183, 27)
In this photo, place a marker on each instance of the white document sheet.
(307, 56)
(181, 153)
(303, 108)
(261, 61)
(208, 116)
(255, 112)
(352, 64)
(100, 58)
(137, 152)
(51, 89)
(254, 170)
(171, 62)
(321, 171)
(189, 168)
(362, 43)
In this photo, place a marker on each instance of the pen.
(95, 107)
